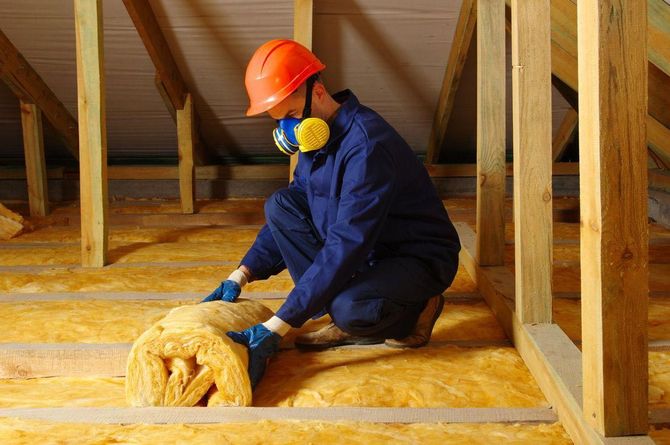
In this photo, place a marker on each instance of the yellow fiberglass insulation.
(186, 358)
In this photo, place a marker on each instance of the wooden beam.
(659, 179)
(303, 16)
(267, 171)
(185, 140)
(614, 232)
(93, 132)
(29, 87)
(549, 354)
(659, 34)
(143, 17)
(491, 144)
(29, 360)
(565, 135)
(213, 415)
(169, 81)
(531, 116)
(469, 170)
(458, 53)
(659, 139)
(33, 148)
(160, 86)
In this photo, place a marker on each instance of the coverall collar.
(343, 119)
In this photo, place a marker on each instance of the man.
(361, 228)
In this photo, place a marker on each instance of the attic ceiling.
(391, 53)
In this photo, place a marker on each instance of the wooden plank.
(33, 148)
(659, 34)
(470, 170)
(614, 233)
(185, 139)
(147, 26)
(303, 16)
(452, 75)
(85, 296)
(531, 116)
(659, 179)
(169, 81)
(565, 134)
(564, 67)
(548, 353)
(200, 415)
(166, 97)
(63, 359)
(659, 139)
(491, 144)
(24, 81)
(93, 132)
(34, 360)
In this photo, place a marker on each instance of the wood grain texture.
(143, 17)
(531, 115)
(28, 86)
(460, 46)
(92, 132)
(565, 134)
(33, 148)
(303, 17)
(185, 142)
(550, 355)
(614, 234)
(491, 115)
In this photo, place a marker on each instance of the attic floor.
(153, 248)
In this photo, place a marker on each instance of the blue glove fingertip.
(238, 337)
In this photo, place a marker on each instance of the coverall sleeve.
(368, 188)
(264, 258)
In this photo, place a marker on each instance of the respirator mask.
(304, 134)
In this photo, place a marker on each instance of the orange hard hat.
(276, 70)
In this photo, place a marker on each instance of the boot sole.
(438, 311)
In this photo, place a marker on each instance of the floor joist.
(549, 354)
(251, 414)
(33, 360)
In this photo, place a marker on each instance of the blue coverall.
(361, 229)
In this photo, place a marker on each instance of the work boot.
(423, 328)
(330, 336)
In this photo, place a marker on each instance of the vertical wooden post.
(531, 85)
(491, 115)
(303, 13)
(185, 140)
(92, 132)
(33, 147)
(612, 49)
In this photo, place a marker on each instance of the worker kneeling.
(360, 228)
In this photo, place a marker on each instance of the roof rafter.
(30, 88)
(169, 81)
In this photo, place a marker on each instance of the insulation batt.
(186, 358)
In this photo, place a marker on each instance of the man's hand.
(262, 344)
(229, 290)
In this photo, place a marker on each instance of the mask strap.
(307, 112)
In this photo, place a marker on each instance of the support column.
(303, 13)
(491, 114)
(531, 97)
(92, 132)
(612, 49)
(33, 147)
(185, 140)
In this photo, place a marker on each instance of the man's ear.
(319, 90)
